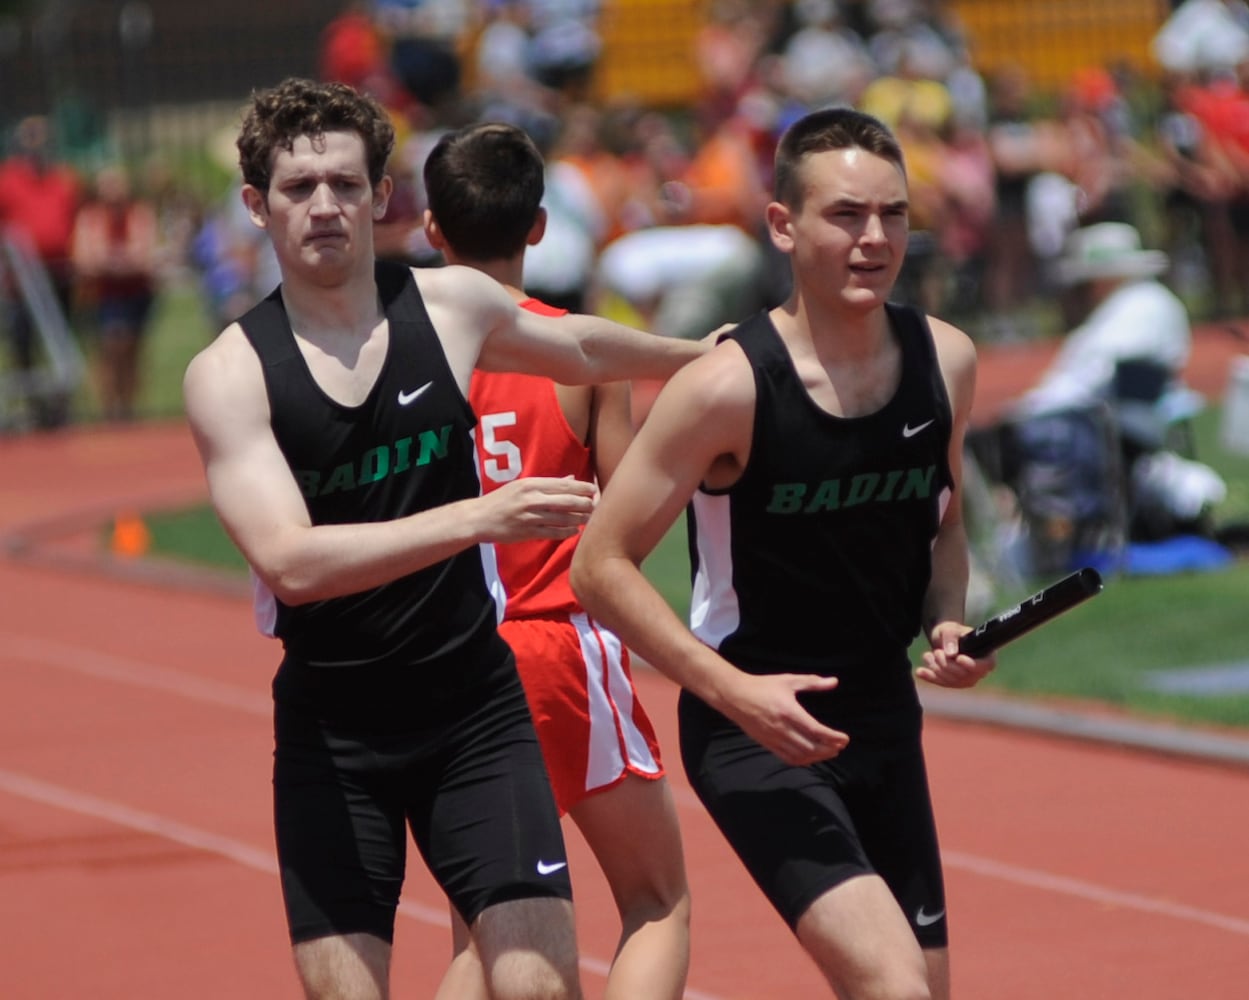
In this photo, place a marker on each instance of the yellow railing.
(1052, 39)
(648, 50)
(648, 44)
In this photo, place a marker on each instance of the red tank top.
(522, 431)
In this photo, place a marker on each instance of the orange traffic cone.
(131, 538)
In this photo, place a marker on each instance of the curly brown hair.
(298, 107)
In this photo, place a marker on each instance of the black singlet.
(817, 559)
(408, 447)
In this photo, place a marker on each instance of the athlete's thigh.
(354, 965)
(339, 828)
(789, 825)
(633, 830)
(490, 832)
(860, 939)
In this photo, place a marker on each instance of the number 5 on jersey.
(505, 462)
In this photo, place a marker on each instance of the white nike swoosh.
(407, 397)
(909, 431)
(925, 919)
(549, 868)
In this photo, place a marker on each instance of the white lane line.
(87, 661)
(180, 833)
(102, 666)
(1091, 892)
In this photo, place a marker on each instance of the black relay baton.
(1031, 612)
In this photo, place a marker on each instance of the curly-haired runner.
(336, 436)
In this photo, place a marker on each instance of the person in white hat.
(1064, 475)
(1131, 315)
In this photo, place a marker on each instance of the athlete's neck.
(350, 308)
(508, 272)
(835, 334)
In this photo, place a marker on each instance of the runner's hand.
(945, 666)
(538, 507)
(767, 708)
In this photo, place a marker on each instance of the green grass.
(1107, 649)
(195, 536)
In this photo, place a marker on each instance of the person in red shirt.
(39, 200)
(484, 185)
(115, 238)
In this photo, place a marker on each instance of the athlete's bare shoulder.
(223, 390)
(464, 289)
(465, 306)
(956, 354)
(227, 360)
(951, 342)
(708, 406)
(718, 380)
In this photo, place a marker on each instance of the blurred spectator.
(352, 50)
(423, 38)
(1096, 122)
(1220, 107)
(965, 182)
(1128, 315)
(1191, 192)
(916, 105)
(39, 197)
(905, 29)
(589, 154)
(1203, 36)
(560, 268)
(1125, 357)
(232, 256)
(826, 63)
(728, 46)
(506, 88)
(695, 261)
(565, 45)
(1023, 145)
(114, 254)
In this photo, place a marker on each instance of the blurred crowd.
(657, 213)
(660, 211)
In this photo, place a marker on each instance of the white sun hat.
(1108, 250)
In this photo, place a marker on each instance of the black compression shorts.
(469, 782)
(801, 831)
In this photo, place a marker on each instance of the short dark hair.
(824, 130)
(484, 184)
(297, 107)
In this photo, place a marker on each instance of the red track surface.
(136, 854)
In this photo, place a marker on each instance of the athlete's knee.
(886, 983)
(346, 967)
(526, 979)
(666, 902)
(528, 950)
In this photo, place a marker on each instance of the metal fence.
(121, 77)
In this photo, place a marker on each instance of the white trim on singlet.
(943, 502)
(715, 611)
(489, 557)
(264, 605)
